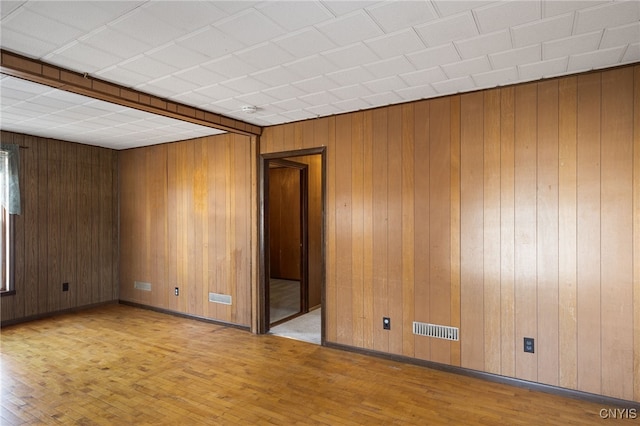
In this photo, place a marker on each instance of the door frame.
(263, 247)
(303, 213)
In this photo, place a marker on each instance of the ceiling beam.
(84, 84)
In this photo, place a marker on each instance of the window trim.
(11, 266)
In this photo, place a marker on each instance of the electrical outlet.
(176, 291)
(529, 345)
(65, 286)
(386, 323)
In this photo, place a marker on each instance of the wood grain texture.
(53, 233)
(636, 234)
(169, 359)
(455, 226)
(357, 229)
(408, 226)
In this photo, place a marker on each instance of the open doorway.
(292, 191)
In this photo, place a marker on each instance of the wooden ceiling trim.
(84, 84)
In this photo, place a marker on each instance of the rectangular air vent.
(225, 299)
(433, 330)
(142, 285)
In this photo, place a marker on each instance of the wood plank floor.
(119, 365)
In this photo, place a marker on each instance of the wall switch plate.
(176, 291)
(65, 286)
(386, 323)
(529, 345)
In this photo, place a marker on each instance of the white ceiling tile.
(619, 36)
(315, 84)
(311, 66)
(145, 27)
(414, 93)
(200, 76)
(276, 76)
(484, 44)
(553, 8)
(607, 15)
(25, 21)
(324, 110)
(7, 7)
(149, 67)
(217, 92)
(350, 29)
(350, 92)
(632, 54)
(384, 85)
(449, 29)
(284, 92)
(122, 76)
(210, 42)
(308, 41)
(299, 114)
(545, 30)
(319, 98)
(382, 99)
(168, 86)
(398, 43)
(435, 56)
(388, 67)
(110, 40)
(511, 58)
(193, 98)
(449, 7)
(175, 54)
(259, 99)
(396, 15)
(470, 66)
(291, 104)
(339, 7)
(85, 15)
(293, 15)
(422, 77)
(456, 85)
(501, 15)
(232, 7)
(350, 76)
(250, 27)
(230, 66)
(351, 56)
(265, 55)
(18, 42)
(245, 84)
(232, 104)
(496, 78)
(83, 58)
(195, 15)
(543, 69)
(571, 45)
(352, 105)
(596, 59)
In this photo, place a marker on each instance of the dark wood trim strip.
(84, 84)
(184, 315)
(606, 401)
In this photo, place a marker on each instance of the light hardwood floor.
(119, 365)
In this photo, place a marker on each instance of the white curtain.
(9, 172)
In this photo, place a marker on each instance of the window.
(9, 205)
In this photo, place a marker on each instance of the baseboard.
(605, 401)
(184, 315)
(54, 313)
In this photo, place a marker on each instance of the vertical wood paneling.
(525, 227)
(421, 164)
(357, 228)
(471, 230)
(53, 239)
(491, 237)
(439, 224)
(547, 233)
(589, 232)
(456, 357)
(636, 234)
(394, 227)
(567, 234)
(330, 221)
(343, 188)
(367, 231)
(617, 242)
(408, 226)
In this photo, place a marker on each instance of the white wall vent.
(433, 330)
(142, 285)
(225, 299)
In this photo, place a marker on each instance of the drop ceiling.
(293, 60)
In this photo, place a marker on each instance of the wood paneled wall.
(510, 213)
(186, 222)
(68, 229)
(285, 237)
